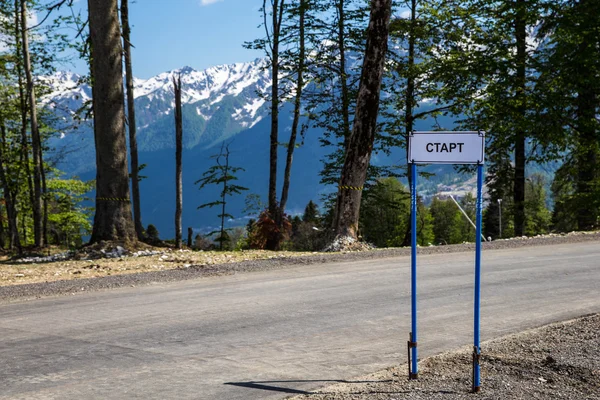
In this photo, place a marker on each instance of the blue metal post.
(413, 271)
(477, 319)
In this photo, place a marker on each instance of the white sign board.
(446, 147)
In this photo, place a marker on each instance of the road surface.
(268, 335)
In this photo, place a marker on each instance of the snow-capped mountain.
(218, 103)
(207, 90)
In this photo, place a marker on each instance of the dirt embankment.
(88, 270)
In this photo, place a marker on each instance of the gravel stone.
(557, 361)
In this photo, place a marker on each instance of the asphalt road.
(278, 333)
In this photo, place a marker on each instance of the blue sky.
(169, 34)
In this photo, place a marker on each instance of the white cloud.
(209, 2)
(32, 20)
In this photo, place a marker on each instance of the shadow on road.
(282, 386)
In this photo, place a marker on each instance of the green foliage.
(564, 215)
(538, 217)
(447, 221)
(152, 233)
(311, 213)
(308, 233)
(253, 204)
(337, 40)
(221, 174)
(385, 213)
(469, 205)
(140, 168)
(306, 238)
(425, 235)
(68, 219)
(570, 96)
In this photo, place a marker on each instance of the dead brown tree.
(178, 154)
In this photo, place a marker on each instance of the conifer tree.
(503, 64)
(569, 93)
(223, 173)
(311, 213)
(384, 213)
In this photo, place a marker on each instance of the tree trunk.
(23, 103)
(359, 150)
(178, 154)
(587, 103)
(189, 237)
(135, 184)
(44, 200)
(224, 193)
(9, 196)
(35, 133)
(113, 209)
(345, 95)
(2, 232)
(296, 121)
(587, 152)
(273, 242)
(521, 61)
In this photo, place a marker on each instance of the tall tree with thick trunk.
(337, 35)
(506, 71)
(38, 219)
(360, 146)
(570, 92)
(113, 209)
(274, 36)
(133, 150)
(178, 154)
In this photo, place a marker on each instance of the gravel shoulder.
(23, 281)
(557, 361)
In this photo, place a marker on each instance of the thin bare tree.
(133, 150)
(300, 67)
(178, 156)
(38, 219)
(273, 38)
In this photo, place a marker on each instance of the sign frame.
(412, 342)
(453, 135)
